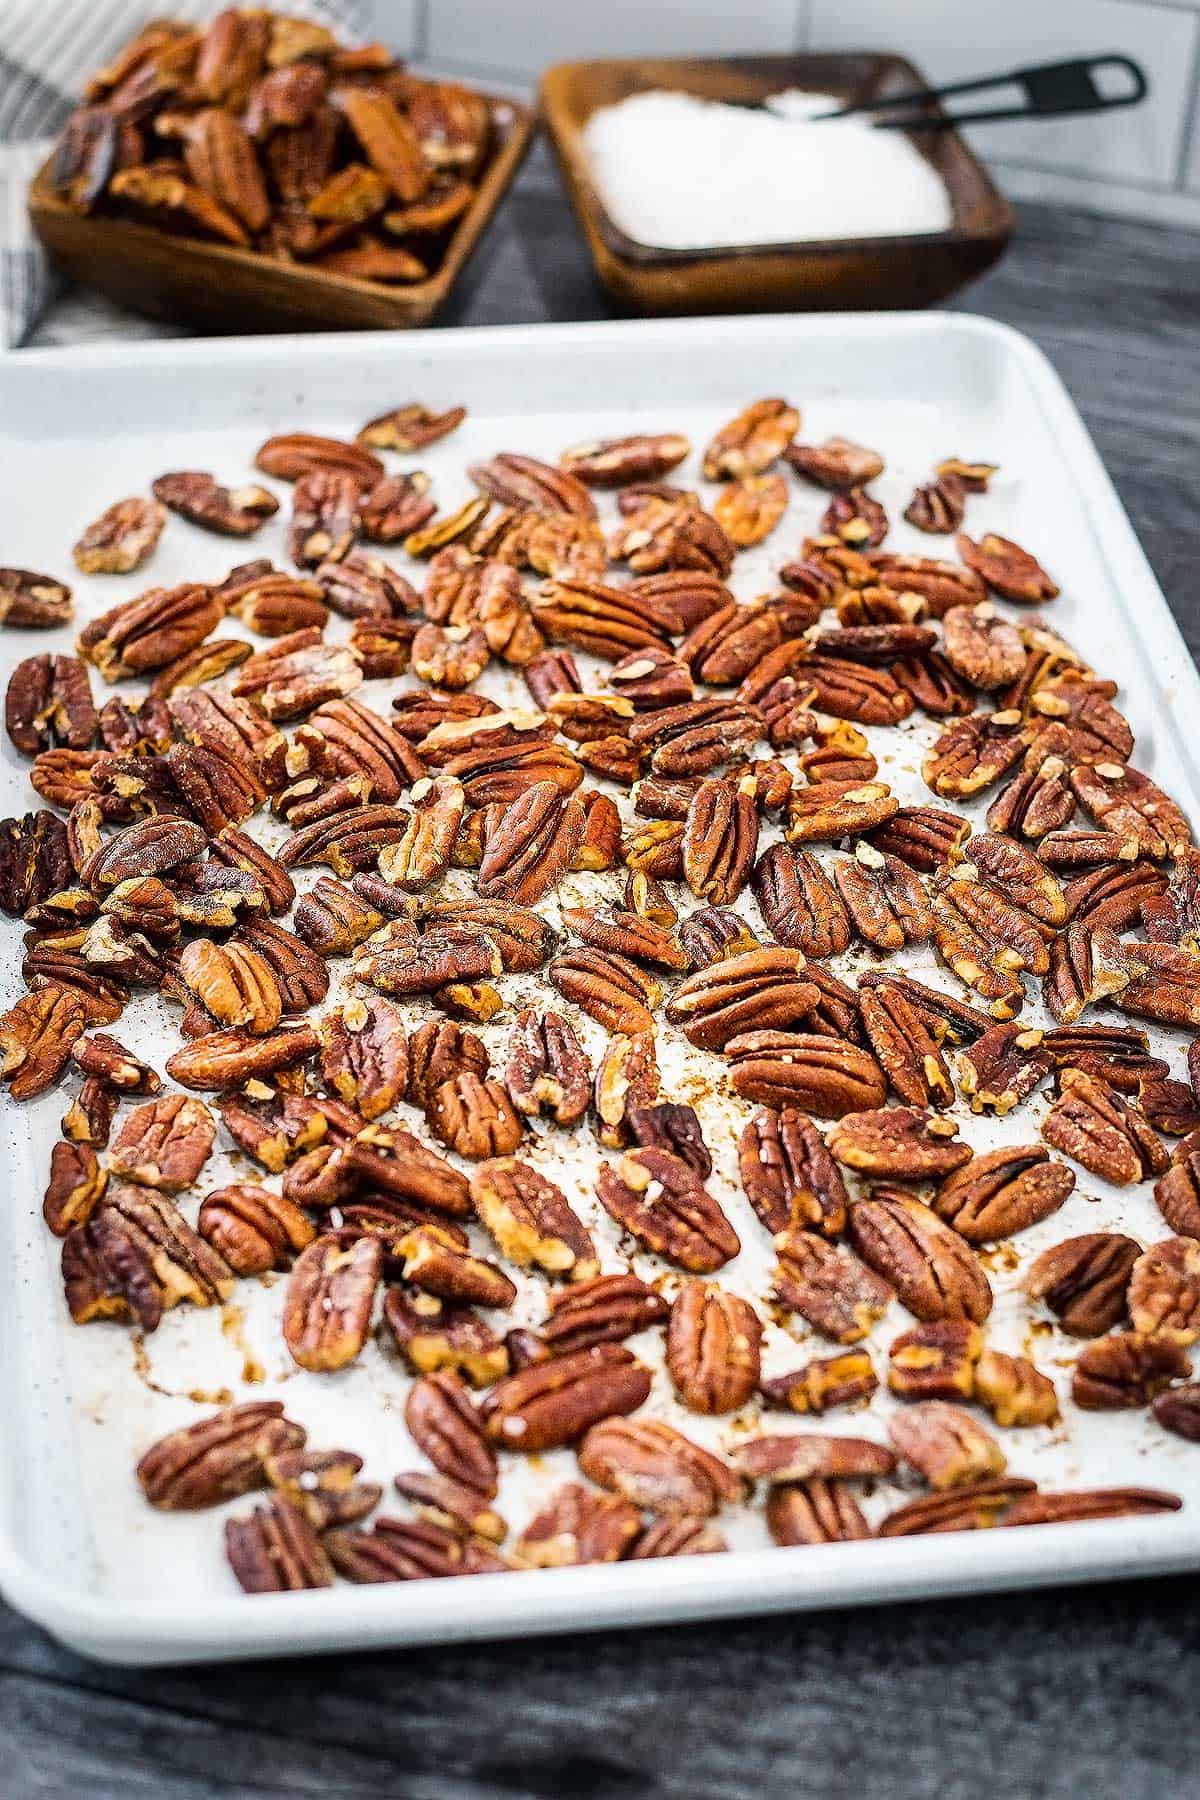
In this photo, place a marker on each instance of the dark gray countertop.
(1086, 1692)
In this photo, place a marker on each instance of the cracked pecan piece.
(788, 1175)
(816, 1073)
(626, 1077)
(75, 1187)
(800, 904)
(274, 1130)
(673, 1127)
(1006, 568)
(1002, 1192)
(322, 1485)
(763, 990)
(714, 1341)
(838, 1295)
(547, 1068)
(1098, 1128)
(1127, 1370)
(655, 1467)
(328, 1302)
(837, 809)
(137, 1257)
(905, 1046)
(935, 1360)
(121, 539)
(473, 1117)
(252, 1228)
(822, 1384)
(946, 1445)
(219, 1458)
(1123, 800)
(711, 934)
(659, 1199)
(931, 1268)
(202, 500)
(437, 1263)
(857, 518)
(434, 1338)
(164, 1143)
(529, 1218)
(233, 983)
(421, 857)
(1084, 1281)
(1014, 1391)
(332, 920)
(556, 1402)
(900, 1143)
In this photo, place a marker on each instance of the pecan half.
(837, 809)
(524, 482)
(609, 988)
(1002, 1068)
(1084, 1281)
(121, 539)
(749, 509)
(829, 1287)
(1014, 1392)
(136, 1257)
(884, 898)
(253, 1228)
(601, 1309)
(857, 518)
(814, 1072)
(615, 461)
(1164, 1290)
(1003, 1192)
(531, 1221)
(800, 903)
(556, 1402)
(149, 632)
(627, 1077)
(364, 1055)
(906, 1047)
(222, 1060)
(164, 1143)
(657, 1197)
(946, 1445)
(578, 1526)
(1007, 569)
(763, 990)
(903, 1143)
(720, 838)
(1126, 1370)
(932, 1270)
(1123, 800)
(976, 1506)
(410, 427)
(788, 1175)
(812, 1456)
(298, 453)
(327, 1306)
(444, 1424)
(826, 1382)
(533, 846)
(814, 1512)
(436, 1262)
(201, 499)
(752, 441)
(1107, 1134)
(234, 983)
(434, 1338)
(713, 1345)
(218, 1458)
(75, 1187)
(653, 1466)
(835, 463)
(49, 702)
(276, 1550)
(547, 1068)
(936, 1360)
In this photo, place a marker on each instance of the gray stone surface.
(1090, 1692)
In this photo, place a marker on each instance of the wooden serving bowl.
(863, 273)
(219, 288)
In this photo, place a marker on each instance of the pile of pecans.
(709, 751)
(262, 131)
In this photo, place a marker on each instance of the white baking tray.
(79, 1550)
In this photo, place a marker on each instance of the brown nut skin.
(253, 1228)
(1099, 1129)
(899, 1143)
(652, 1465)
(819, 1075)
(218, 1458)
(223, 1060)
(327, 1306)
(813, 1456)
(814, 1512)
(1084, 1281)
(1126, 1370)
(714, 1341)
(276, 1550)
(1163, 1296)
(556, 1402)
(164, 1143)
(75, 1187)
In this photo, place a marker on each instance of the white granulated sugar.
(685, 174)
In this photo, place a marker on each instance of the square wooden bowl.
(863, 273)
(218, 288)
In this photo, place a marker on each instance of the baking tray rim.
(741, 1582)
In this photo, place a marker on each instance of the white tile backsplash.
(1141, 161)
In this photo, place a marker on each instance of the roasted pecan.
(164, 1143)
(476, 1118)
(921, 836)
(752, 441)
(903, 1143)
(712, 933)
(302, 977)
(814, 1512)
(547, 1068)
(327, 1306)
(523, 481)
(610, 988)
(822, 1384)
(935, 1361)
(1125, 801)
(1003, 1067)
(1002, 1192)
(945, 1444)
(658, 1197)
(838, 809)
(75, 1188)
(443, 1423)
(939, 506)
(274, 1130)
(720, 838)
(136, 1257)
(436, 1262)
(413, 965)
(627, 934)
(626, 1077)
(234, 983)
(713, 1344)
(800, 903)
(857, 518)
(601, 1309)
(533, 846)
(88, 1119)
(1007, 569)
(434, 1337)
(149, 632)
(49, 702)
(1108, 1134)
(1084, 1281)
(655, 1467)
(35, 864)
(974, 752)
(364, 1055)
(298, 453)
(410, 427)
(1014, 1391)
(615, 461)
(788, 1175)
(556, 1402)
(763, 990)
(816, 1073)
(33, 601)
(933, 1271)
(253, 1228)
(606, 621)
(218, 1458)
(812, 1456)
(578, 1526)
(332, 920)
(835, 463)
(276, 1550)
(222, 1060)
(828, 1286)
(1127, 1370)
(121, 539)
(976, 1506)
(1164, 1290)
(1178, 1410)
(1097, 1503)
(531, 1221)
(748, 510)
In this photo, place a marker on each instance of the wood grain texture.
(1087, 1691)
